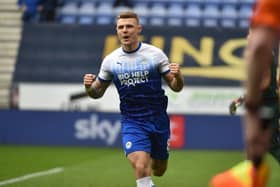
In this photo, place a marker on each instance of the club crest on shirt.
(128, 145)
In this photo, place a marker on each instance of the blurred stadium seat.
(104, 14)
(120, 9)
(244, 14)
(197, 2)
(248, 2)
(193, 15)
(135, 2)
(211, 15)
(231, 2)
(143, 12)
(229, 16)
(211, 2)
(158, 14)
(86, 13)
(175, 14)
(71, 1)
(68, 13)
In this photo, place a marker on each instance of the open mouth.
(126, 37)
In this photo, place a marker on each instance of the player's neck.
(131, 48)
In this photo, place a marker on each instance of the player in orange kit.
(254, 172)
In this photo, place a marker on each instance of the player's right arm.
(94, 87)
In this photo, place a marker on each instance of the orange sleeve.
(267, 13)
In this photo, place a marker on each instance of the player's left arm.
(174, 78)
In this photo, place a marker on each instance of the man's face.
(128, 30)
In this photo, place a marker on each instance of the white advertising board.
(191, 100)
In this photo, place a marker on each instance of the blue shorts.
(151, 136)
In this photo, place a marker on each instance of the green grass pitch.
(107, 167)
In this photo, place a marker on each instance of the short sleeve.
(163, 63)
(105, 72)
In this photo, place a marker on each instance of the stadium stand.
(143, 11)
(86, 13)
(211, 2)
(192, 13)
(119, 9)
(245, 12)
(175, 14)
(228, 16)
(211, 16)
(189, 13)
(10, 36)
(250, 2)
(69, 13)
(158, 14)
(230, 2)
(104, 13)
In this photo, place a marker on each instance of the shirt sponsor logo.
(133, 78)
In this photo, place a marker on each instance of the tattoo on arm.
(94, 92)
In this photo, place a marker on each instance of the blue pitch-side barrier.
(103, 129)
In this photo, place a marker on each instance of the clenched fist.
(88, 80)
(174, 68)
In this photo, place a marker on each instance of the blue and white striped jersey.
(137, 76)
